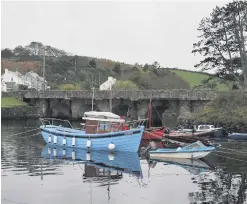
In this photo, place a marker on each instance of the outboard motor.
(151, 146)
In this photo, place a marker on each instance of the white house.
(10, 76)
(34, 81)
(3, 85)
(11, 80)
(108, 84)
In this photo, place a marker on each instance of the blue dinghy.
(195, 150)
(103, 131)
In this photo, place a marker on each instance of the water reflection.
(100, 162)
(72, 175)
(196, 166)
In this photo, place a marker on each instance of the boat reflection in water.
(97, 163)
(194, 166)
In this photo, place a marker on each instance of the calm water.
(31, 174)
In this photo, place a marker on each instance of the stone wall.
(21, 112)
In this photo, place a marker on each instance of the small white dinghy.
(195, 150)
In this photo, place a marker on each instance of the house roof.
(15, 73)
(35, 75)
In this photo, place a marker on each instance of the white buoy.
(49, 139)
(55, 139)
(89, 143)
(111, 146)
(54, 152)
(64, 152)
(111, 157)
(73, 154)
(64, 141)
(88, 156)
(73, 141)
(49, 150)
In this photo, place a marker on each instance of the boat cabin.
(205, 127)
(101, 122)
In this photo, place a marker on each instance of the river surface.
(34, 173)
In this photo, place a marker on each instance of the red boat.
(152, 133)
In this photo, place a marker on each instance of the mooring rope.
(241, 152)
(14, 201)
(229, 157)
(235, 153)
(24, 132)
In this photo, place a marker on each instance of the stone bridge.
(167, 104)
(176, 94)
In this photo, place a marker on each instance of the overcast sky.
(129, 32)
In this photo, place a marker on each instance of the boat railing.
(136, 123)
(54, 121)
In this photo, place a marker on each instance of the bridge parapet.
(173, 94)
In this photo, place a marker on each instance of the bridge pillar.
(42, 107)
(133, 110)
(142, 108)
(185, 108)
(197, 106)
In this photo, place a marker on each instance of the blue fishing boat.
(195, 150)
(102, 131)
(238, 136)
(125, 162)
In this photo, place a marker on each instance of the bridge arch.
(157, 115)
(121, 109)
(61, 110)
(85, 108)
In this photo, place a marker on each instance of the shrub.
(125, 85)
(69, 87)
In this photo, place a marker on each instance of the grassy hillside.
(11, 102)
(195, 78)
(64, 70)
(80, 72)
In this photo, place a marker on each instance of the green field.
(195, 79)
(9, 102)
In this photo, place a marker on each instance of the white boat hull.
(182, 155)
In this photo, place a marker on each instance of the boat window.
(104, 126)
(193, 146)
(204, 127)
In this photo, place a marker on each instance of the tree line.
(33, 49)
(222, 43)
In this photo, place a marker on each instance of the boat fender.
(88, 156)
(64, 152)
(49, 139)
(54, 152)
(89, 143)
(73, 141)
(152, 145)
(64, 140)
(178, 149)
(73, 154)
(111, 146)
(55, 139)
(111, 156)
(49, 150)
